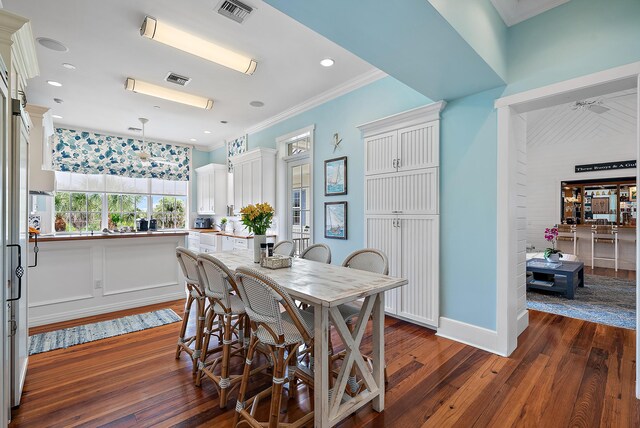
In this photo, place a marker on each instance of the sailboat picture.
(335, 220)
(335, 176)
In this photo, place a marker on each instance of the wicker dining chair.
(284, 248)
(195, 293)
(281, 334)
(226, 307)
(318, 253)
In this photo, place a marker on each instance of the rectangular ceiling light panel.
(167, 94)
(171, 36)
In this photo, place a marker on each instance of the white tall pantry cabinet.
(254, 178)
(212, 189)
(402, 215)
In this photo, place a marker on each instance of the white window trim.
(284, 162)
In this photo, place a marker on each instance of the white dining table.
(325, 287)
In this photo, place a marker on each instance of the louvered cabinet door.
(418, 147)
(380, 152)
(381, 234)
(419, 249)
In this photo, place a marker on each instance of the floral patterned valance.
(93, 153)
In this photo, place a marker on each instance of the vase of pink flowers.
(552, 254)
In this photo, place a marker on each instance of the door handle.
(394, 163)
(398, 162)
(19, 272)
(36, 249)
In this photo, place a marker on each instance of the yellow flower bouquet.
(257, 218)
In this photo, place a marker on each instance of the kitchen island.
(84, 275)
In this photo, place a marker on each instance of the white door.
(419, 245)
(255, 166)
(201, 192)
(247, 184)
(5, 378)
(380, 153)
(418, 147)
(17, 232)
(299, 204)
(410, 192)
(382, 233)
(237, 188)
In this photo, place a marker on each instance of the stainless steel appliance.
(153, 224)
(202, 223)
(15, 211)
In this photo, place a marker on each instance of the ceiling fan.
(146, 156)
(594, 106)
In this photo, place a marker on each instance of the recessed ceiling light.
(54, 45)
(56, 116)
(54, 83)
(223, 121)
(69, 66)
(193, 139)
(256, 103)
(58, 100)
(207, 132)
(327, 62)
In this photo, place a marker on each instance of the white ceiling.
(561, 124)
(106, 47)
(515, 11)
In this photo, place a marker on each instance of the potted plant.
(257, 219)
(60, 224)
(551, 253)
(223, 224)
(113, 221)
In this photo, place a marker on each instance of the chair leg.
(200, 303)
(185, 322)
(245, 379)
(225, 382)
(276, 392)
(210, 317)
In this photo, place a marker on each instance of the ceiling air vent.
(235, 10)
(134, 129)
(177, 79)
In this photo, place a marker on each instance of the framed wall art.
(335, 176)
(335, 220)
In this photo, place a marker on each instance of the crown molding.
(415, 116)
(36, 110)
(24, 53)
(342, 89)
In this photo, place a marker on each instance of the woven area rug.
(67, 337)
(603, 300)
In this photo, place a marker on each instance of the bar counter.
(102, 235)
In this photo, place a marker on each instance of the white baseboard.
(103, 309)
(523, 321)
(468, 334)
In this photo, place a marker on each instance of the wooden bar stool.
(568, 233)
(281, 334)
(219, 284)
(604, 234)
(195, 293)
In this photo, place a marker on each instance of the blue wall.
(379, 99)
(575, 39)
(468, 198)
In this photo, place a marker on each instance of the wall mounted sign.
(606, 166)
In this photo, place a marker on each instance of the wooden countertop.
(100, 235)
(204, 230)
(231, 235)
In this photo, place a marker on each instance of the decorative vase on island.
(554, 258)
(257, 240)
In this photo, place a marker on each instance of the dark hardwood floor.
(565, 373)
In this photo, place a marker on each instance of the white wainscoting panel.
(63, 274)
(139, 267)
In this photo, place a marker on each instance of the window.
(299, 144)
(127, 208)
(92, 202)
(170, 211)
(78, 212)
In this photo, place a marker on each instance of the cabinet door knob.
(398, 162)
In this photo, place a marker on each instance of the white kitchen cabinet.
(211, 195)
(402, 208)
(193, 241)
(254, 178)
(225, 243)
